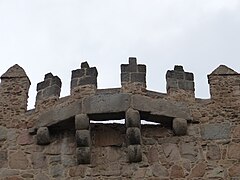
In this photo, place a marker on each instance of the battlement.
(193, 138)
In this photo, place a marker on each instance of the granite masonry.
(192, 138)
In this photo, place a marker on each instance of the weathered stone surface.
(133, 136)
(213, 152)
(180, 126)
(234, 171)
(59, 113)
(3, 133)
(132, 118)
(216, 131)
(68, 160)
(83, 138)
(160, 107)
(236, 132)
(8, 172)
(83, 155)
(43, 136)
(134, 153)
(217, 172)
(3, 158)
(39, 160)
(153, 155)
(189, 151)
(177, 172)
(18, 160)
(171, 152)
(106, 103)
(159, 171)
(24, 138)
(77, 171)
(53, 148)
(198, 170)
(81, 122)
(41, 176)
(234, 151)
(56, 170)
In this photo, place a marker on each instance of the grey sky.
(57, 35)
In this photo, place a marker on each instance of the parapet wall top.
(15, 71)
(223, 70)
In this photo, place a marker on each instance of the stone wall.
(195, 138)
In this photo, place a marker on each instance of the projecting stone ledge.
(113, 106)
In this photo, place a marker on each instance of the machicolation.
(194, 139)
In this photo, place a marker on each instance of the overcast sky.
(57, 35)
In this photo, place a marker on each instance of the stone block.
(3, 133)
(87, 80)
(125, 77)
(179, 126)
(92, 72)
(189, 76)
(56, 81)
(170, 74)
(74, 83)
(48, 76)
(160, 107)
(189, 85)
(179, 75)
(178, 68)
(84, 65)
(83, 155)
(132, 118)
(142, 68)
(78, 73)
(43, 136)
(216, 131)
(18, 160)
(81, 122)
(134, 153)
(182, 84)
(213, 152)
(172, 83)
(132, 60)
(133, 136)
(234, 151)
(42, 85)
(51, 91)
(3, 158)
(110, 103)
(59, 113)
(83, 138)
(138, 77)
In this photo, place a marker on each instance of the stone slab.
(160, 107)
(58, 114)
(216, 131)
(110, 103)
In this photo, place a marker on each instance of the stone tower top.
(222, 69)
(15, 71)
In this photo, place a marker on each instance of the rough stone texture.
(209, 150)
(132, 118)
(233, 151)
(18, 160)
(83, 138)
(133, 136)
(216, 131)
(179, 126)
(43, 136)
(134, 153)
(106, 103)
(234, 171)
(81, 122)
(213, 152)
(83, 155)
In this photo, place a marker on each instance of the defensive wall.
(194, 138)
